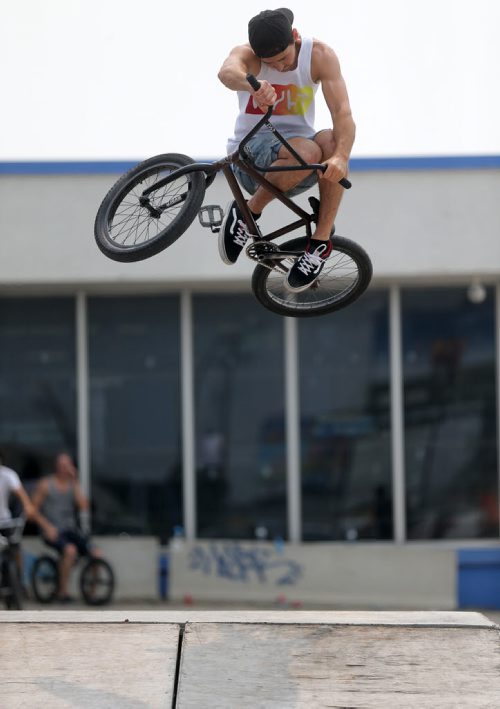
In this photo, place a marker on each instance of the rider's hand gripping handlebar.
(255, 84)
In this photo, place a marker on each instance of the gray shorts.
(264, 148)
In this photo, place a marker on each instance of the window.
(134, 414)
(450, 414)
(37, 383)
(345, 424)
(240, 457)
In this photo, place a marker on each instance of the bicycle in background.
(96, 580)
(11, 587)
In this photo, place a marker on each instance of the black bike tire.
(14, 599)
(43, 597)
(340, 243)
(171, 232)
(89, 600)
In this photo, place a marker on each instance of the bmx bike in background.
(11, 588)
(154, 203)
(96, 579)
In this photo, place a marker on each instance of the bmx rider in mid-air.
(289, 68)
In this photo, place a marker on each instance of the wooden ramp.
(239, 659)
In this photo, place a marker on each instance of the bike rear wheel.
(97, 582)
(128, 228)
(45, 579)
(345, 276)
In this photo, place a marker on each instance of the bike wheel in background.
(45, 579)
(345, 276)
(97, 582)
(129, 227)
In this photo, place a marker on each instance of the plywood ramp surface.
(338, 666)
(87, 665)
(248, 659)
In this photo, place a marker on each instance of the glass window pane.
(134, 414)
(37, 382)
(240, 453)
(450, 414)
(345, 423)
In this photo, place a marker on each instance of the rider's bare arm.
(240, 62)
(326, 69)
(25, 501)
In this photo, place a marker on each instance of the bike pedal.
(211, 216)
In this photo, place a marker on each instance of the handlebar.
(255, 84)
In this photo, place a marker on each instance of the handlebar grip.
(344, 181)
(253, 82)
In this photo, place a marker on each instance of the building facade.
(187, 404)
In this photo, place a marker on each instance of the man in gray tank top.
(58, 499)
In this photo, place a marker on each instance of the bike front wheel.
(45, 579)
(345, 276)
(129, 227)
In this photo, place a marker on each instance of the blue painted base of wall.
(479, 578)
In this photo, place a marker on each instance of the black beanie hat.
(270, 32)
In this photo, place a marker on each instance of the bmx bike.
(97, 580)
(154, 203)
(11, 589)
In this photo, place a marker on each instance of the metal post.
(82, 397)
(497, 360)
(292, 417)
(188, 425)
(397, 416)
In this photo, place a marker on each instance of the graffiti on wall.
(233, 561)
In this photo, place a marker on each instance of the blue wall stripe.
(97, 167)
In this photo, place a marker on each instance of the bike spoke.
(339, 276)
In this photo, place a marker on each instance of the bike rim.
(338, 279)
(130, 224)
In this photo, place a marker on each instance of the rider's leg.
(68, 558)
(309, 150)
(330, 193)
(308, 267)
(234, 232)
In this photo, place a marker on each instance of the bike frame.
(240, 159)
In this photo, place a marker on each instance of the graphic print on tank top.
(293, 113)
(292, 101)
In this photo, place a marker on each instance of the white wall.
(414, 224)
(353, 576)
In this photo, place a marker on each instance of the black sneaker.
(308, 267)
(233, 234)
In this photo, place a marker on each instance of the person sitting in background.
(58, 499)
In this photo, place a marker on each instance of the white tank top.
(293, 113)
